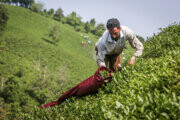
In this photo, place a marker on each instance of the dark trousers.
(113, 61)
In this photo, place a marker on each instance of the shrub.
(166, 41)
(55, 33)
(3, 17)
(148, 90)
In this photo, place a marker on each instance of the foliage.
(50, 13)
(80, 28)
(99, 30)
(3, 18)
(73, 20)
(35, 68)
(141, 39)
(104, 74)
(58, 14)
(148, 90)
(92, 22)
(87, 27)
(36, 71)
(23, 3)
(3, 110)
(37, 7)
(161, 44)
(55, 33)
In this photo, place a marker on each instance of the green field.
(35, 70)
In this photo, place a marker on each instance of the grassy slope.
(27, 54)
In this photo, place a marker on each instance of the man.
(111, 44)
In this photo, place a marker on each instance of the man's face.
(115, 32)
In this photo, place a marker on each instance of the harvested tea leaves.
(104, 73)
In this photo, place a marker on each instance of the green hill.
(148, 90)
(33, 68)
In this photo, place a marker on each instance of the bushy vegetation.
(23, 3)
(55, 33)
(3, 18)
(72, 19)
(36, 69)
(148, 90)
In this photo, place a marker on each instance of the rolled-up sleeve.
(134, 42)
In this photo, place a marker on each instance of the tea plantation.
(35, 69)
(148, 90)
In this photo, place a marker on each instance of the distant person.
(83, 44)
(89, 42)
(111, 44)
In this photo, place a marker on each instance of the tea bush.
(148, 90)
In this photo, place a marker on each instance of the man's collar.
(111, 40)
(121, 34)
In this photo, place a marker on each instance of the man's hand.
(102, 64)
(131, 61)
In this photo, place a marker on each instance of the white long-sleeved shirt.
(107, 46)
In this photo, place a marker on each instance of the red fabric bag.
(88, 86)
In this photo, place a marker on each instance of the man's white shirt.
(107, 46)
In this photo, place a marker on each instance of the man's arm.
(101, 52)
(135, 43)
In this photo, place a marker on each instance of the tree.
(92, 25)
(37, 7)
(87, 27)
(21, 2)
(59, 14)
(15, 2)
(99, 29)
(3, 17)
(92, 22)
(8, 1)
(74, 20)
(55, 33)
(28, 3)
(51, 12)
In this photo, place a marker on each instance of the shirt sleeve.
(101, 50)
(134, 42)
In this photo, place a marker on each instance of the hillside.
(148, 90)
(33, 68)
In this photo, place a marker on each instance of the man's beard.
(116, 39)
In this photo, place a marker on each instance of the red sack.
(88, 86)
